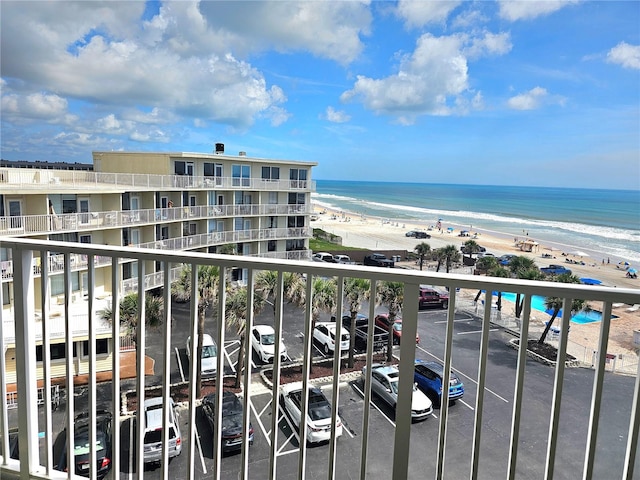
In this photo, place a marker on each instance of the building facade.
(168, 201)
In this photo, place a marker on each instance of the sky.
(460, 92)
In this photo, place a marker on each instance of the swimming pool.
(537, 303)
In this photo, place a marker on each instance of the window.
(271, 173)
(102, 347)
(271, 246)
(298, 177)
(273, 198)
(241, 175)
(57, 283)
(15, 212)
(6, 299)
(57, 351)
(69, 204)
(85, 238)
(293, 222)
(212, 169)
(273, 222)
(295, 244)
(183, 168)
(296, 198)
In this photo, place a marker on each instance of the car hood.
(208, 364)
(420, 401)
(271, 349)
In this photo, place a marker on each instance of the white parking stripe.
(466, 404)
(462, 374)
(478, 331)
(199, 445)
(255, 414)
(375, 406)
(459, 320)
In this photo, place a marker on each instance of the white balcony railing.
(485, 445)
(18, 178)
(80, 222)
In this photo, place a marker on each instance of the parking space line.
(466, 404)
(459, 320)
(462, 374)
(375, 406)
(199, 445)
(179, 364)
(255, 413)
(477, 331)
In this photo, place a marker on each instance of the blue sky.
(513, 93)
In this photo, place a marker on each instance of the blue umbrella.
(590, 281)
(632, 270)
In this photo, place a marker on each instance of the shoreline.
(372, 233)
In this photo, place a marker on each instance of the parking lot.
(496, 424)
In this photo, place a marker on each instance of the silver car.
(153, 430)
(384, 384)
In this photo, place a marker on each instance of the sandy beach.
(387, 234)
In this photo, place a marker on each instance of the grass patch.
(318, 245)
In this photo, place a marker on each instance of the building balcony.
(90, 221)
(16, 179)
(518, 418)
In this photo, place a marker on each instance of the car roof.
(386, 370)
(329, 325)
(207, 340)
(264, 329)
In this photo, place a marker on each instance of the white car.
(318, 413)
(153, 430)
(209, 360)
(384, 383)
(263, 341)
(323, 257)
(346, 259)
(325, 334)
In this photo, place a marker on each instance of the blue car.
(428, 377)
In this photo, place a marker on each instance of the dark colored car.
(417, 234)
(428, 297)
(232, 418)
(505, 260)
(382, 321)
(82, 445)
(14, 449)
(428, 377)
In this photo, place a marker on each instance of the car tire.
(445, 305)
(326, 349)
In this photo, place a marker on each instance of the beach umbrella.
(632, 270)
(590, 281)
(626, 264)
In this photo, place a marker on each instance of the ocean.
(604, 224)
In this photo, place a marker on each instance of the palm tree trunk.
(392, 319)
(240, 364)
(548, 327)
(352, 338)
(475, 300)
(499, 301)
(519, 305)
(421, 261)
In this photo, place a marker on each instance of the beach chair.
(617, 305)
(635, 308)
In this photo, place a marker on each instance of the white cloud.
(489, 43)
(626, 55)
(431, 80)
(336, 116)
(417, 13)
(528, 10)
(529, 100)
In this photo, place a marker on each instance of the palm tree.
(267, 286)
(422, 250)
(208, 276)
(470, 247)
(523, 268)
(323, 299)
(391, 295)
(236, 315)
(555, 304)
(356, 291)
(228, 249)
(440, 256)
(451, 255)
(153, 312)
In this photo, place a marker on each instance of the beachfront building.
(161, 201)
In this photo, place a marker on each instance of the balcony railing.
(501, 434)
(18, 178)
(89, 221)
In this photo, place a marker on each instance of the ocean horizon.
(604, 224)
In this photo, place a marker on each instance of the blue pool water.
(537, 303)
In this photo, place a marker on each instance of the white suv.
(153, 430)
(209, 360)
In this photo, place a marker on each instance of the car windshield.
(268, 339)
(82, 444)
(208, 351)
(397, 327)
(319, 408)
